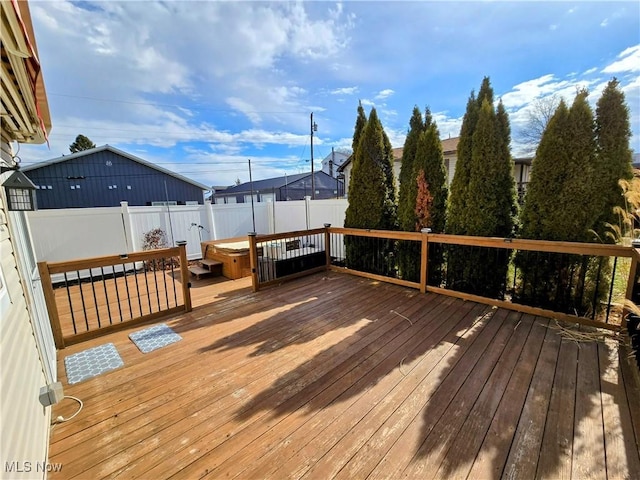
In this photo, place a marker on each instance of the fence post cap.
(425, 230)
(635, 243)
(181, 242)
(327, 225)
(252, 234)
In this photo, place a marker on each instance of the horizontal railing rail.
(94, 296)
(579, 282)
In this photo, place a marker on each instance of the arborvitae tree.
(390, 212)
(613, 161)
(457, 208)
(370, 201)
(546, 183)
(492, 211)
(562, 203)
(81, 143)
(406, 201)
(581, 188)
(430, 159)
(459, 198)
(361, 121)
(424, 203)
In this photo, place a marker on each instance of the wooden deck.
(335, 376)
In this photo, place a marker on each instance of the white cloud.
(386, 93)
(628, 61)
(524, 93)
(367, 103)
(590, 71)
(344, 91)
(604, 22)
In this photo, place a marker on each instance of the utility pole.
(314, 128)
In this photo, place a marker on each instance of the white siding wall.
(24, 421)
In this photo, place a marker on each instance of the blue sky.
(200, 87)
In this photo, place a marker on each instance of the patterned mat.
(92, 362)
(153, 338)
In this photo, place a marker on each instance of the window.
(163, 204)
(191, 202)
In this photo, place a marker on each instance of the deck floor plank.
(495, 447)
(588, 446)
(335, 376)
(410, 442)
(524, 452)
(357, 370)
(556, 451)
(622, 462)
(432, 453)
(336, 426)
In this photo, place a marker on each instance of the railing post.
(253, 261)
(327, 244)
(632, 281)
(184, 274)
(424, 258)
(50, 300)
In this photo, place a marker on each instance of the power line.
(195, 108)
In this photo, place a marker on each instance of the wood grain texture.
(338, 376)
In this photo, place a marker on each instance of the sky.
(200, 87)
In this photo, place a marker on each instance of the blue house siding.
(104, 179)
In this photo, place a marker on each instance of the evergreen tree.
(459, 198)
(492, 211)
(457, 208)
(371, 199)
(81, 143)
(361, 121)
(406, 201)
(563, 203)
(430, 159)
(546, 183)
(482, 200)
(614, 156)
(424, 203)
(390, 212)
(408, 251)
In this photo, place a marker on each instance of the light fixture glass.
(20, 192)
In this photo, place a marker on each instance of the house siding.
(25, 422)
(130, 181)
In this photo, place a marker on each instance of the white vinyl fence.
(67, 234)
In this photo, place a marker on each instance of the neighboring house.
(289, 187)
(522, 175)
(105, 176)
(449, 151)
(27, 351)
(333, 161)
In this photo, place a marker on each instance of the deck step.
(210, 263)
(199, 271)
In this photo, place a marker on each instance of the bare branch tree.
(538, 116)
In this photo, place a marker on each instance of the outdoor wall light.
(20, 191)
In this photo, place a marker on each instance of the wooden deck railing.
(578, 282)
(95, 296)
